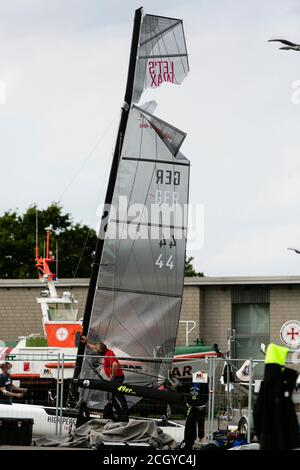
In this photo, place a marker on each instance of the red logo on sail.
(161, 71)
(144, 124)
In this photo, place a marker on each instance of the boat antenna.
(36, 234)
(56, 256)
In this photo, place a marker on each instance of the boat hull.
(45, 420)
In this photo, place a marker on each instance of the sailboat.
(136, 285)
(135, 293)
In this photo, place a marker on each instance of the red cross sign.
(290, 333)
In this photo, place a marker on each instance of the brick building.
(256, 307)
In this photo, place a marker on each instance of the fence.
(229, 401)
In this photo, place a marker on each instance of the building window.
(252, 327)
(62, 312)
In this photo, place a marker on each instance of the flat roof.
(84, 282)
(188, 281)
(240, 280)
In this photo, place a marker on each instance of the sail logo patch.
(144, 124)
(124, 389)
(161, 71)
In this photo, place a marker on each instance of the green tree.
(76, 243)
(189, 270)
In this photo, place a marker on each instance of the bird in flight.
(295, 250)
(288, 44)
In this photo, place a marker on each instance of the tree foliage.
(189, 270)
(76, 243)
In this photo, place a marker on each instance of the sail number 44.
(160, 262)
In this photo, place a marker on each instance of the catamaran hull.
(44, 418)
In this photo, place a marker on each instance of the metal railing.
(187, 329)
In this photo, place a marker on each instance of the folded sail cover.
(139, 289)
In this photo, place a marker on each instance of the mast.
(111, 182)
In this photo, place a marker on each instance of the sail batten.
(162, 32)
(150, 160)
(135, 291)
(160, 56)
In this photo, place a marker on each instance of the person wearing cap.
(112, 371)
(7, 390)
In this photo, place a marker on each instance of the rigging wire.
(91, 225)
(88, 156)
(81, 254)
(75, 176)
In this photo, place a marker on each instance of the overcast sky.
(64, 64)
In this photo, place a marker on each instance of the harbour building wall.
(255, 307)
